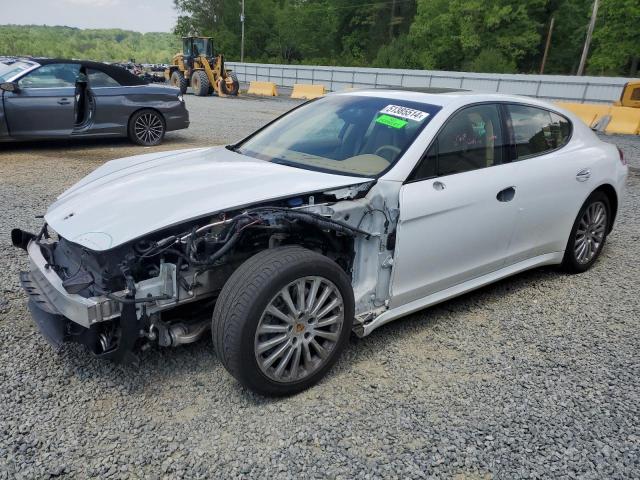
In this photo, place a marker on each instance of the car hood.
(128, 198)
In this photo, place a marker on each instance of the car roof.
(119, 74)
(445, 97)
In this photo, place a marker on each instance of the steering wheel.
(392, 148)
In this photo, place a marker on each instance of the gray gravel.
(534, 377)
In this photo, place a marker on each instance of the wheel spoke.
(300, 286)
(266, 328)
(326, 322)
(274, 312)
(323, 298)
(284, 362)
(295, 363)
(276, 355)
(286, 296)
(333, 336)
(269, 344)
(306, 355)
(330, 306)
(313, 291)
(318, 348)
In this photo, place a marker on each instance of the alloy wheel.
(299, 328)
(149, 128)
(590, 233)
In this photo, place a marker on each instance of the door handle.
(506, 195)
(583, 175)
(64, 101)
(437, 185)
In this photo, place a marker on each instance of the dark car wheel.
(178, 81)
(588, 234)
(200, 83)
(230, 85)
(146, 127)
(283, 319)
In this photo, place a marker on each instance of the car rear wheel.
(588, 234)
(147, 128)
(177, 80)
(283, 319)
(200, 83)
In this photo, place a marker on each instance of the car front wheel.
(147, 128)
(283, 319)
(588, 234)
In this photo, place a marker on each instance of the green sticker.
(390, 121)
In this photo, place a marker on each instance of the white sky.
(137, 15)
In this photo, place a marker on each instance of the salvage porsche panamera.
(344, 214)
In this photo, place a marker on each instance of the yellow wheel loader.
(621, 117)
(197, 67)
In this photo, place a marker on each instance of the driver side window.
(471, 139)
(55, 75)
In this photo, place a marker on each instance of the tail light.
(622, 159)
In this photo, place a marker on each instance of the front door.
(45, 104)
(457, 210)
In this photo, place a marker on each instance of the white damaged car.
(344, 214)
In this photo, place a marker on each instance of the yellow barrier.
(587, 112)
(267, 89)
(301, 90)
(624, 120)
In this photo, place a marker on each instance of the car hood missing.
(128, 198)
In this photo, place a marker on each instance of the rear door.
(45, 104)
(110, 110)
(456, 211)
(553, 180)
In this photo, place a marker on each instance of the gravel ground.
(534, 377)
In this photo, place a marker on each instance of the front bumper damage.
(63, 317)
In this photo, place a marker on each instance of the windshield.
(10, 70)
(343, 134)
(202, 46)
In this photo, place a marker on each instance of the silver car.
(52, 99)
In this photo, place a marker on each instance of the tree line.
(110, 45)
(504, 36)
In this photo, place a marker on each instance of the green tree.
(450, 34)
(616, 39)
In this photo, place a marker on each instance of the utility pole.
(587, 41)
(242, 37)
(546, 47)
(392, 19)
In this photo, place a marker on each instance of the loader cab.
(631, 95)
(195, 46)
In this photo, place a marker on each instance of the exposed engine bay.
(162, 288)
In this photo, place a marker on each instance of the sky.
(137, 15)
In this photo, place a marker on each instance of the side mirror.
(10, 87)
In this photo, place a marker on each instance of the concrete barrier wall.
(552, 87)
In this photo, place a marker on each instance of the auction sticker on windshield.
(404, 112)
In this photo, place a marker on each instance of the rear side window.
(537, 131)
(100, 79)
(471, 139)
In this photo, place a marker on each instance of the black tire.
(141, 135)
(231, 89)
(177, 80)
(200, 83)
(571, 261)
(244, 299)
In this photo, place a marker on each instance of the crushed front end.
(162, 288)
